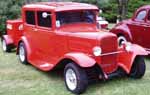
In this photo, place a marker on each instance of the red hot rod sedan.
(65, 34)
(136, 29)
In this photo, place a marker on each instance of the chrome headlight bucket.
(97, 51)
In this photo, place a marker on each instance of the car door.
(147, 32)
(138, 28)
(29, 30)
(45, 37)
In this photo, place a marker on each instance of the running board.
(118, 73)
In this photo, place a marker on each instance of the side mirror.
(57, 23)
(45, 14)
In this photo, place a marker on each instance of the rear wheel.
(138, 68)
(76, 79)
(5, 47)
(22, 53)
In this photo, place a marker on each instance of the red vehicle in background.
(65, 34)
(13, 34)
(136, 29)
(102, 22)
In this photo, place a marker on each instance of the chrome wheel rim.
(4, 45)
(21, 53)
(121, 40)
(71, 79)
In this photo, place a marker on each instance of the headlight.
(97, 51)
(128, 46)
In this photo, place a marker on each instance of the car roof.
(60, 6)
(144, 7)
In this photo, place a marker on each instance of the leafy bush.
(10, 9)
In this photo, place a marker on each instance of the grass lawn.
(19, 79)
(111, 25)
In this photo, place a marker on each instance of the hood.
(92, 35)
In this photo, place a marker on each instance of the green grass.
(19, 79)
(111, 25)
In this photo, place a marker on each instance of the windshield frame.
(81, 11)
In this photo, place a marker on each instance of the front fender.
(8, 39)
(81, 59)
(122, 29)
(126, 59)
(138, 50)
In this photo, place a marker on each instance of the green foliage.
(110, 7)
(10, 9)
(135, 4)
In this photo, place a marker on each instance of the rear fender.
(8, 39)
(25, 41)
(81, 59)
(126, 59)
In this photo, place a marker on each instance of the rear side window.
(141, 15)
(30, 17)
(44, 21)
(148, 15)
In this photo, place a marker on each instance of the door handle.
(35, 29)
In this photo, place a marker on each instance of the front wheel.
(76, 79)
(138, 68)
(5, 47)
(121, 40)
(22, 53)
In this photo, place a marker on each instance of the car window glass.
(141, 15)
(68, 17)
(148, 16)
(30, 17)
(44, 21)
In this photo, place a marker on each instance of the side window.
(30, 17)
(148, 16)
(44, 19)
(141, 15)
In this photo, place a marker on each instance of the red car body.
(136, 29)
(47, 46)
(13, 34)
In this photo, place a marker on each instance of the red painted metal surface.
(14, 31)
(135, 30)
(46, 47)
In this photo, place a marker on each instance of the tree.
(122, 9)
(11, 9)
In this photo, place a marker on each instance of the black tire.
(22, 46)
(81, 81)
(5, 47)
(138, 68)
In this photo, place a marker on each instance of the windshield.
(86, 16)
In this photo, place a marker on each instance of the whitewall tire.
(121, 40)
(22, 53)
(75, 77)
(5, 47)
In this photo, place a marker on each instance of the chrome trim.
(147, 49)
(111, 53)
